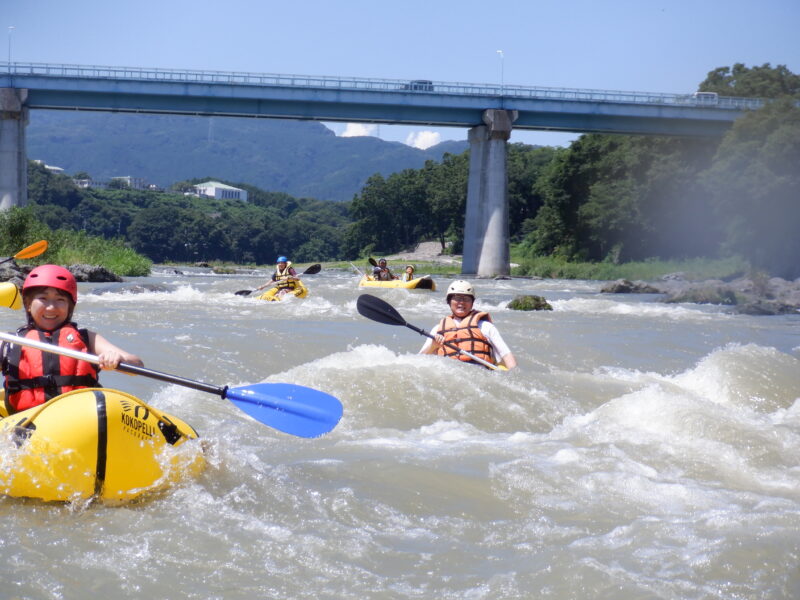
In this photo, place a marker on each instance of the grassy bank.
(18, 229)
(693, 269)
(69, 248)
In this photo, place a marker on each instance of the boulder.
(704, 294)
(529, 302)
(224, 270)
(751, 296)
(624, 286)
(10, 271)
(766, 308)
(93, 273)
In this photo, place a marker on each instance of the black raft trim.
(102, 442)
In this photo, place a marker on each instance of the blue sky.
(630, 45)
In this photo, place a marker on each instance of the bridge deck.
(418, 102)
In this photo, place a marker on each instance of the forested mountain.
(301, 158)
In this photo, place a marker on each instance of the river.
(641, 450)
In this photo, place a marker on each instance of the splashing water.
(641, 450)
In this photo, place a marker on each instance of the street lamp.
(502, 61)
(10, 29)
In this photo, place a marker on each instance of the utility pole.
(10, 29)
(502, 74)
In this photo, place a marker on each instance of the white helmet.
(460, 286)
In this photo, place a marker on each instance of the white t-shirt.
(499, 346)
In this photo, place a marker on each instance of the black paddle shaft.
(381, 311)
(176, 379)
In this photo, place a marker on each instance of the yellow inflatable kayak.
(9, 295)
(272, 294)
(420, 283)
(95, 443)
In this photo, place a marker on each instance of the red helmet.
(52, 276)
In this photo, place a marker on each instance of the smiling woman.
(467, 334)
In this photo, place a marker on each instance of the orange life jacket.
(467, 336)
(33, 377)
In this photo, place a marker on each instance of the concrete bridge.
(488, 111)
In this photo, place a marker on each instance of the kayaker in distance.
(470, 330)
(284, 278)
(382, 272)
(32, 377)
(409, 274)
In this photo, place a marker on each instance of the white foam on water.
(644, 310)
(700, 424)
(584, 473)
(183, 293)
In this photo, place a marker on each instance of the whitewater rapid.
(641, 450)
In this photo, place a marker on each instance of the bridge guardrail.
(368, 84)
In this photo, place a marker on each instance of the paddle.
(9, 293)
(295, 409)
(357, 270)
(312, 270)
(28, 252)
(381, 311)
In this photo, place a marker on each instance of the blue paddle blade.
(295, 409)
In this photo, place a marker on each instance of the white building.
(51, 168)
(220, 191)
(134, 183)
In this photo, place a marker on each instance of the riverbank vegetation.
(689, 269)
(548, 267)
(19, 227)
(616, 199)
(608, 206)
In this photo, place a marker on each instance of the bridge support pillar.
(13, 159)
(486, 239)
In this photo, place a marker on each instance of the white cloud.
(423, 139)
(359, 130)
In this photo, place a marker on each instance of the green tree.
(754, 82)
(564, 185)
(49, 188)
(163, 233)
(755, 184)
(525, 166)
(373, 219)
(447, 198)
(20, 227)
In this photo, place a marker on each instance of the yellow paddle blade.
(32, 250)
(9, 295)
